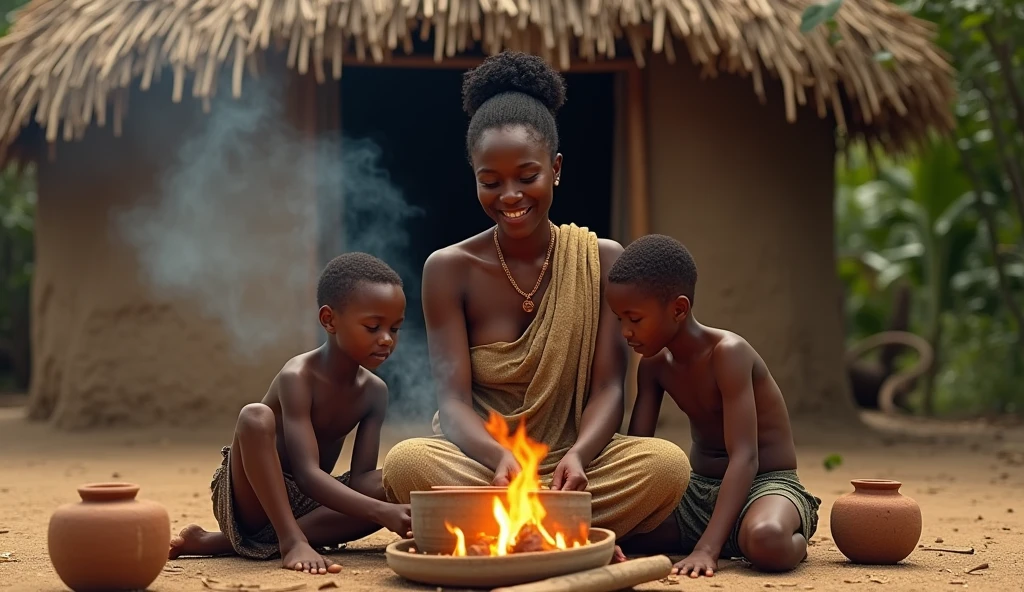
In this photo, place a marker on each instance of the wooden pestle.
(618, 576)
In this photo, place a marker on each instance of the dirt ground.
(964, 475)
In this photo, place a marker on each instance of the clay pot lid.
(447, 490)
(107, 492)
(474, 492)
(876, 484)
(468, 488)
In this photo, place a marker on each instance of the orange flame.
(460, 544)
(524, 513)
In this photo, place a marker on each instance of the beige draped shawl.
(544, 377)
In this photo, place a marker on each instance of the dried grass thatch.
(67, 61)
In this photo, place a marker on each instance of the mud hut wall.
(751, 196)
(110, 348)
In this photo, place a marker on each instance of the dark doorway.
(415, 117)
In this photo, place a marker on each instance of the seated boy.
(273, 492)
(744, 497)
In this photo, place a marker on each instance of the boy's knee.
(256, 419)
(766, 535)
(768, 546)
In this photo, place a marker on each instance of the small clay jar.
(109, 540)
(876, 524)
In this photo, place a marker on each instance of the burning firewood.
(520, 515)
(482, 546)
(478, 551)
(529, 539)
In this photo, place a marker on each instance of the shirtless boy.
(273, 492)
(744, 498)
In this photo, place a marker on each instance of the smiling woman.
(516, 324)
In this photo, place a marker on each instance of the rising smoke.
(213, 233)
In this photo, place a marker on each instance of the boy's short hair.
(341, 275)
(657, 264)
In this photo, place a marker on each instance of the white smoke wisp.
(227, 231)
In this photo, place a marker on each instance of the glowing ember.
(520, 516)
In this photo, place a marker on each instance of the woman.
(516, 324)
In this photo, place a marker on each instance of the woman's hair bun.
(513, 71)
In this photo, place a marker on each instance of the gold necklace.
(528, 303)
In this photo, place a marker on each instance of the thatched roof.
(69, 61)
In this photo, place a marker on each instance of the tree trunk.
(899, 320)
(935, 340)
(1004, 55)
(1004, 146)
(992, 234)
(21, 351)
(937, 253)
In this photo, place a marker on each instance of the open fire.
(521, 514)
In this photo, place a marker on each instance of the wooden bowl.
(492, 572)
(472, 510)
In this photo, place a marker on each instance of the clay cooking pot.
(472, 510)
(509, 570)
(109, 540)
(875, 523)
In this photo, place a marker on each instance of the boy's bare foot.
(301, 557)
(193, 540)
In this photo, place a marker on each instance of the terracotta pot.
(492, 572)
(109, 540)
(472, 510)
(876, 524)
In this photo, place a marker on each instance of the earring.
(556, 181)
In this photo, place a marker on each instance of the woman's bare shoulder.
(609, 249)
(456, 256)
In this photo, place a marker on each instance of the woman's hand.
(569, 474)
(506, 470)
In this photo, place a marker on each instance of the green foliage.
(7, 10)
(928, 223)
(983, 372)
(918, 223)
(832, 461)
(885, 58)
(17, 210)
(17, 214)
(818, 14)
(975, 20)
(908, 222)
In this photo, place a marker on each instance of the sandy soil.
(966, 476)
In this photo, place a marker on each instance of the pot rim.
(876, 484)
(597, 537)
(468, 488)
(444, 491)
(108, 491)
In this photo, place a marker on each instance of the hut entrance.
(415, 117)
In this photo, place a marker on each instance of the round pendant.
(528, 305)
